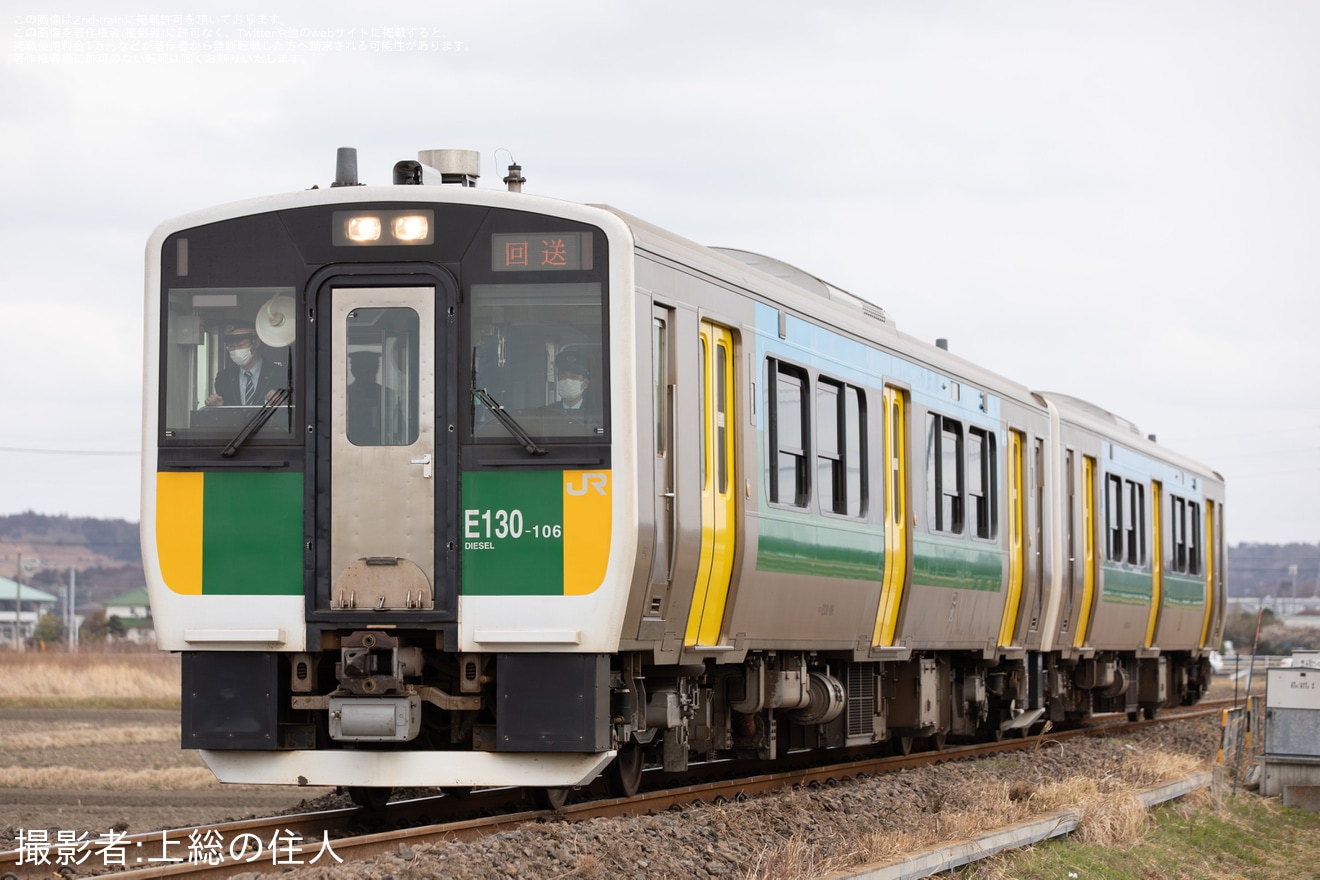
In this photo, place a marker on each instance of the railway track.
(351, 834)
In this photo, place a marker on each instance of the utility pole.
(18, 598)
(71, 629)
(31, 566)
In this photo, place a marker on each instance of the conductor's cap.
(572, 362)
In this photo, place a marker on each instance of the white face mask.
(570, 389)
(241, 356)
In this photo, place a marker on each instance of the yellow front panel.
(179, 530)
(587, 519)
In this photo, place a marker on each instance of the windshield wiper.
(509, 422)
(258, 419)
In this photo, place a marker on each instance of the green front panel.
(1125, 586)
(252, 534)
(814, 545)
(956, 563)
(513, 534)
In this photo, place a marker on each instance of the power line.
(25, 450)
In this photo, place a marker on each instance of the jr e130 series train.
(457, 486)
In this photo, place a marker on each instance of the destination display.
(540, 252)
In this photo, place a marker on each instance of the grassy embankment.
(1196, 838)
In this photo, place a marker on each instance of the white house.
(21, 606)
(134, 611)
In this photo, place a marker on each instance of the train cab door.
(896, 518)
(662, 417)
(378, 408)
(716, 464)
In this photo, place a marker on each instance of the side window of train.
(1193, 538)
(840, 448)
(1136, 523)
(1125, 520)
(945, 474)
(786, 390)
(982, 484)
(1184, 535)
(1113, 518)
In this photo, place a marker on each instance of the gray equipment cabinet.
(1292, 732)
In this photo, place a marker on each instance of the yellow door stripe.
(896, 536)
(1157, 570)
(1088, 541)
(1015, 548)
(1209, 552)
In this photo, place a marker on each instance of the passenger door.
(719, 520)
(896, 518)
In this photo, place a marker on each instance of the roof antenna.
(514, 180)
(346, 167)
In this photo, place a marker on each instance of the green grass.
(1246, 837)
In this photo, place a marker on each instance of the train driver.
(250, 379)
(574, 407)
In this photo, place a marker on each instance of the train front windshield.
(529, 343)
(221, 375)
(536, 353)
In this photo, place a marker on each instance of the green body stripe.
(805, 544)
(955, 563)
(1127, 587)
(1184, 592)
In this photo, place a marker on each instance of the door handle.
(425, 462)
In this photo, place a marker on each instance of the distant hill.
(105, 553)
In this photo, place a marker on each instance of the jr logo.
(589, 482)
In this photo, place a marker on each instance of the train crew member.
(251, 379)
(573, 372)
(372, 416)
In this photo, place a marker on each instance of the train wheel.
(369, 797)
(624, 775)
(937, 741)
(550, 798)
(903, 745)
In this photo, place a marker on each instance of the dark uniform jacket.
(274, 374)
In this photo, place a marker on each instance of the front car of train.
(381, 521)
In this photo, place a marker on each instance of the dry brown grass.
(167, 779)
(1112, 814)
(37, 678)
(96, 736)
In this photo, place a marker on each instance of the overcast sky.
(1118, 200)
